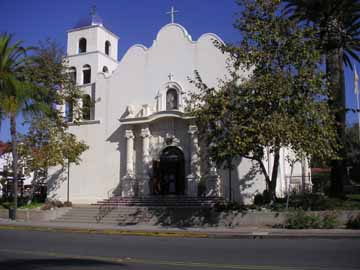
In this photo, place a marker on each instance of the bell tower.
(91, 49)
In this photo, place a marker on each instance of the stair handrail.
(105, 209)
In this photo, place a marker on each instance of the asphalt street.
(32, 250)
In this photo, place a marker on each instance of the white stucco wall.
(140, 75)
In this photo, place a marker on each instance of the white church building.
(141, 143)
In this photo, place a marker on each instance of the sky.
(133, 21)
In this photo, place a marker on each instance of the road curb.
(106, 231)
(285, 236)
(183, 234)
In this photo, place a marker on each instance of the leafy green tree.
(352, 145)
(338, 31)
(36, 84)
(46, 145)
(47, 68)
(282, 103)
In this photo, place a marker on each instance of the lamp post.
(68, 180)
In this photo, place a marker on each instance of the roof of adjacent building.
(320, 170)
(4, 148)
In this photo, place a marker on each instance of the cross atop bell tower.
(172, 13)
(93, 10)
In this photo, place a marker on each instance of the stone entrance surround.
(138, 184)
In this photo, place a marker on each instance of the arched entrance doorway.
(170, 171)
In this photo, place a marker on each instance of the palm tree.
(338, 26)
(15, 94)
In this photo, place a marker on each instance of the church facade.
(141, 141)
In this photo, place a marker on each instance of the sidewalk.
(146, 230)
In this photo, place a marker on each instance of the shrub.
(353, 222)
(329, 220)
(311, 201)
(303, 220)
(259, 199)
(67, 204)
(266, 196)
(46, 206)
(228, 206)
(52, 204)
(321, 182)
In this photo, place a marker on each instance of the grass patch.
(33, 205)
(354, 197)
(317, 202)
(21, 205)
(5, 205)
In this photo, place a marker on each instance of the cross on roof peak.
(170, 76)
(172, 13)
(93, 10)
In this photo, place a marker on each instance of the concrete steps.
(116, 216)
(161, 201)
(140, 210)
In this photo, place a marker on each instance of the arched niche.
(170, 97)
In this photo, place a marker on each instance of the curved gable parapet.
(173, 27)
(169, 33)
(136, 48)
(133, 51)
(210, 36)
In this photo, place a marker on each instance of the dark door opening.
(169, 173)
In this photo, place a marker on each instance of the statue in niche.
(171, 99)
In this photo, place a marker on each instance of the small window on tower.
(86, 74)
(82, 45)
(107, 47)
(105, 69)
(72, 73)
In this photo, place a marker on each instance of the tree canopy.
(283, 103)
(337, 26)
(37, 83)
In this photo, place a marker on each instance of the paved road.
(31, 250)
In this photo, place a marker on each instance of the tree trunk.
(274, 175)
(335, 75)
(264, 171)
(14, 161)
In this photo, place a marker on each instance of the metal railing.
(105, 208)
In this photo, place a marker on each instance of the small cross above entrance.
(172, 13)
(170, 76)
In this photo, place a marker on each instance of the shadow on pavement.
(37, 264)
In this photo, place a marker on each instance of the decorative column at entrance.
(212, 180)
(128, 188)
(144, 182)
(194, 176)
